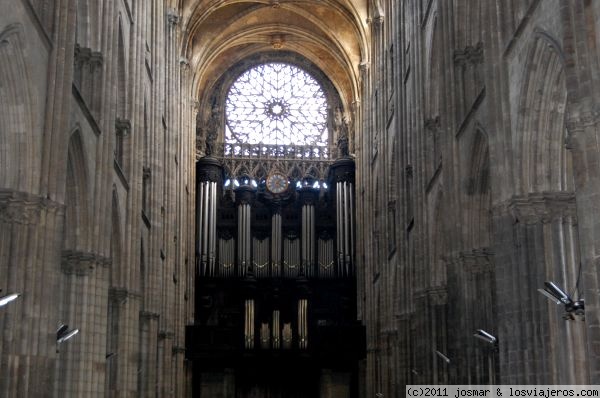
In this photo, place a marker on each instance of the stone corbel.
(172, 17)
(166, 334)
(438, 295)
(543, 207)
(148, 315)
(432, 124)
(81, 263)
(23, 208)
(146, 172)
(118, 294)
(123, 127)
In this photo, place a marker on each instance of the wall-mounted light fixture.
(485, 336)
(63, 333)
(8, 298)
(442, 356)
(556, 294)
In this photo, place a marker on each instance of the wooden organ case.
(275, 286)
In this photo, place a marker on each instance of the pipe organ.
(307, 199)
(208, 192)
(343, 175)
(275, 269)
(277, 242)
(244, 231)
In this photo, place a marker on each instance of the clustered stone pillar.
(30, 238)
(538, 240)
(471, 306)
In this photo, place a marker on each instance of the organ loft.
(297, 198)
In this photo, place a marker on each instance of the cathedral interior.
(297, 198)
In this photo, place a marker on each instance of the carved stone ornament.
(543, 207)
(209, 169)
(342, 170)
(82, 263)
(122, 126)
(213, 126)
(24, 208)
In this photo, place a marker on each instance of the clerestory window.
(276, 104)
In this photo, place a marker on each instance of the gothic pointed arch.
(478, 191)
(116, 242)
(542, 156)
(16, 129)
(77, 216)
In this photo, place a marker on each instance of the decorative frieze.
(543, 207)
(473, 261)
(148, 315)
(470, 54)
(121, 294)
(82, 263)
(24, 208)
(166, 334)
(437, 295)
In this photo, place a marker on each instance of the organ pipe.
(287, 336)
(276, 330)
(260, 257)
(276, 244)
(325, 258)
(210, 175)
(265, 336)
(199, 229)
(302, 323)
(308, 238)
(291, 255)
(244, 196)
(207, 226)
(345, 225)
(249, 324)
(342, 172)
(339, 235)
(226, 257)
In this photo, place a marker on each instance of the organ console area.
(275, 284)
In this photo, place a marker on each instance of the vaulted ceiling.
(331, 34)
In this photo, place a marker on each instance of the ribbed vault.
(328, 33)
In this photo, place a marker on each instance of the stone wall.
(476, 160)
(96, 191)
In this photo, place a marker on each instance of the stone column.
(537, 234)
(30, 239)
(84, 291)
(471, 307)
(334, 384)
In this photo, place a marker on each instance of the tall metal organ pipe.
(244, 196)
(276, 243)
(342, 174)
(302, 323)
(210, 179)
(308, 197)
